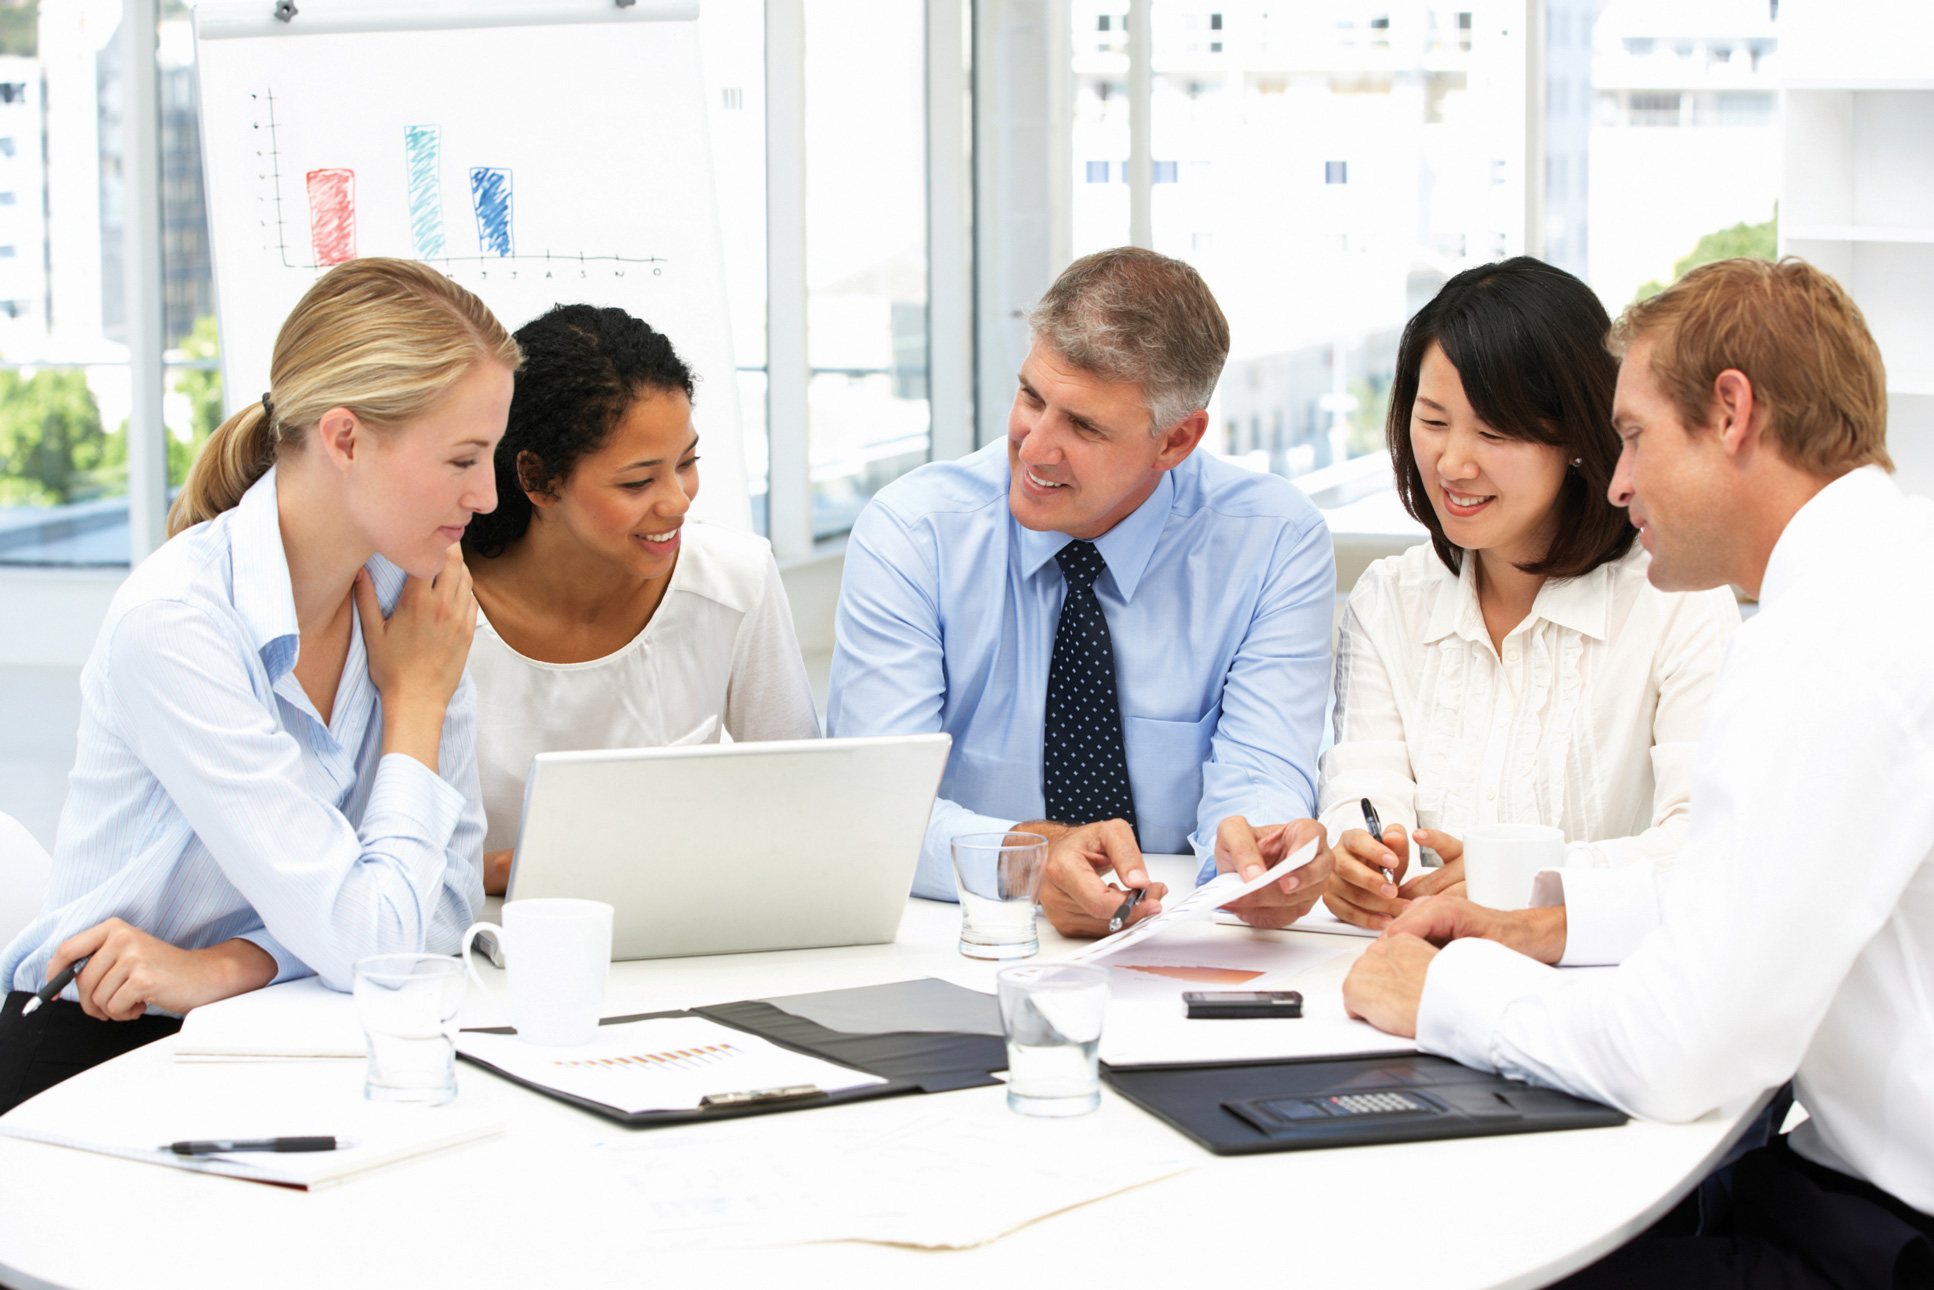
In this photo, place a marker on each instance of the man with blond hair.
(1128, 640)
(1794, 937)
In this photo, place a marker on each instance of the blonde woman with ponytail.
(277, 771)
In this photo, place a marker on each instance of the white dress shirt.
(720, 645)
(1587, 721)
(1796, 931)
(209, 800)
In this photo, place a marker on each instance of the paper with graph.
(534, 164)
(663, 1065)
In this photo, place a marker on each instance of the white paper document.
(384, 1135)
(1319, 919)
(909, 1177)
(294, 1021)
(1197, 905)
(663, 1065)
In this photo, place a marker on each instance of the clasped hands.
(1078, 902)
(1386, 985)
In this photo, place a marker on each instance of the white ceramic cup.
(557, 952)
(1501, 860)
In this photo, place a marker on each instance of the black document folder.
(1347, 1102)
(875, 1037)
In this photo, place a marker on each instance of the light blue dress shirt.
(209, 800)
(1219, 593)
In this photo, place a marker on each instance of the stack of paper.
(295, 1021)
(669, 1064)
(909, 1177)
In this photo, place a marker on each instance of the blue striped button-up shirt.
(1218, 593)
(210, 800)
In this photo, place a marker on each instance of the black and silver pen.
(1376, 831)
(222, 1146)
(60, 982)
(1127, 908)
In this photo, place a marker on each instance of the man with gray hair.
(1129, 641)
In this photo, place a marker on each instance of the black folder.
(1252, 1107)
(911, 1061)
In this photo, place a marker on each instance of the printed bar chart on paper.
(490, 155)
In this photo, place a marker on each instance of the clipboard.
(910, 1061)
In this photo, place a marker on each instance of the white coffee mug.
(1502, 860)
(557, 952)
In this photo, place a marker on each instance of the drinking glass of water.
(999, 877)
(1052, 1013)
(408, 1006)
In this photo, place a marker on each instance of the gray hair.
(1129, 314)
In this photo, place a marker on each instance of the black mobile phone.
(1243, 1003)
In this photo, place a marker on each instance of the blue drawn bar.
(420, 156)
(490, 197)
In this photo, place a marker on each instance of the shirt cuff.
(1607, 911)
(287, 966)
(934, 878)
(1469, 985)
(409, 800)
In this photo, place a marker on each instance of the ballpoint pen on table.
(1376, 831)
(225, 1145)
(60, 982)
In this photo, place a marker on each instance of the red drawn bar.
(332, 215)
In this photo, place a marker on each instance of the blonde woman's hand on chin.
(416, 655)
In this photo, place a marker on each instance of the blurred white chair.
(24, 865)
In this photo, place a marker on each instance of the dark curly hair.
(583, 368)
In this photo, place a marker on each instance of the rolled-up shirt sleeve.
(328, 893)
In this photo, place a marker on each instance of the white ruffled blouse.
(1589, 719)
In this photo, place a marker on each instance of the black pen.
(1127, 907)
(47, 992)
(224, 1145)
(1376, 831)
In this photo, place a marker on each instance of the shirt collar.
(1838, 516)
(1583, 604)
(1128, 547)
(263, 595)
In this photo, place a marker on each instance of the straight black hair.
(1528, 342)
(583, 369)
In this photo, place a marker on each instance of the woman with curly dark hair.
(608, 617)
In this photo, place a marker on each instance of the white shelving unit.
(1857, 197)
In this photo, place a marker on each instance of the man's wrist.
(1539, 933)
(1046, 828)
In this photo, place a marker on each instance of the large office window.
(866, 260)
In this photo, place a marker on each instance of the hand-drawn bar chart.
(332, 215)
(490, 198)
(422, 145)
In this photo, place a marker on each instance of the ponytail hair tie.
(268, 409)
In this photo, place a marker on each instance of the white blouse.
(721, 645)
(1589, 721)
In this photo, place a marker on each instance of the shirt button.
(1503, 722)
(1490, 795)
(1511, 656)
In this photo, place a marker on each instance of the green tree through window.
(203, 390)
(52, 447)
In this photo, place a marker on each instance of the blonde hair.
(1798, 337)
(386, 339)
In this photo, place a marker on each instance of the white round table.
(528, 1208)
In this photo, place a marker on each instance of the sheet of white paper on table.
(914, 1177)
(663, 1065)
(1196, 905)
(295, 1021)
(1319, 919)
(385, 1134)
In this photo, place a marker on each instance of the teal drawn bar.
(421, 145)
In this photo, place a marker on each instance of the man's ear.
(341, 435)
(1741, 416)
(1180, 439)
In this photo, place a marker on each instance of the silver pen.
(1127, 907)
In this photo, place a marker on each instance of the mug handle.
(470, 964)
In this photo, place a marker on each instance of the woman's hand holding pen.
(1447, 878)
(1360, 893)
(127, 970)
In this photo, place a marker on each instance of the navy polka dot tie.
(1084, 769)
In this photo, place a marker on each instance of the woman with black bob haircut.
(1518, 668)
(608, 617)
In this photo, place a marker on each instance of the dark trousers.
(1777, 1221)
(60, 1041)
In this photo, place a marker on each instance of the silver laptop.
(731, 848)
